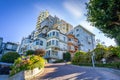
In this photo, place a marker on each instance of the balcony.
(57, 37)
(54, 47)
(70, 42)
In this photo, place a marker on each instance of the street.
(62, 71)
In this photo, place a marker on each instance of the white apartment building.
(29, 44)
(54, 35)
(56, 45)
(86, 39)
(43, 15)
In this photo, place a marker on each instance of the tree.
(67, 56)
(29, 52)
(81, 57)
(40, 52)
(10, 57)
(105, 15)
(99, 51)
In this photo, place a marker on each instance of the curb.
(38, 74)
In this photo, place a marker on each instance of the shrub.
(29, 52)
(81, 57)
(67, 56)
(27, 63)
(10, 57)
(100, 51)
(40, 52)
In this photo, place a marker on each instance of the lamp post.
(93, 61)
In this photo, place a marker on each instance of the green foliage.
(40, 52)
(27, 63)
(105, 15)
(67, 56)
(99, 51)
(106, 52)
(111, 54)
(29, 52)
(10, 57)
(81, 57)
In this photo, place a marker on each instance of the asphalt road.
(62, 71)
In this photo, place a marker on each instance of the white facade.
(28, 44)
(51, 35)
(86, 39)
(43, 15)
(56, 45)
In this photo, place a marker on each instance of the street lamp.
(93, 61)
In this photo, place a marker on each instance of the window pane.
(64, 38)
(50, 34)
(37, 43)
(69, 39)
(53, 33)
(52, 42)
(41, 43)
(57, 34)
(57, 43)
(49, 42)
(77, 35)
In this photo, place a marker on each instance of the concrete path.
(61, 71)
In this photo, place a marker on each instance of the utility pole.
(93, 61)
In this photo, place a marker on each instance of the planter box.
(26, 75)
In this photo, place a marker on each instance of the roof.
(84, 29)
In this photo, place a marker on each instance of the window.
(14, 47)
(37, 43)
(64, 38)
(71, 32)
(52, 42)
(57, 43)
(57, 34)
(77, 29)
(49, 52)
(56, 54)
(49, 42)
(69, 39)
(41, 43)
(50, 34)
(77, 35)
(53, 33)
(9, 46)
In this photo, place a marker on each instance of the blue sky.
(18, 17)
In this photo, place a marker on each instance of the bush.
(40, 52)
(100, 51)
(108, 53)
(10, 57)
(27, 63)
(67, 56)
(30, 52)
(81, 57)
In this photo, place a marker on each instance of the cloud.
(74, 7)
